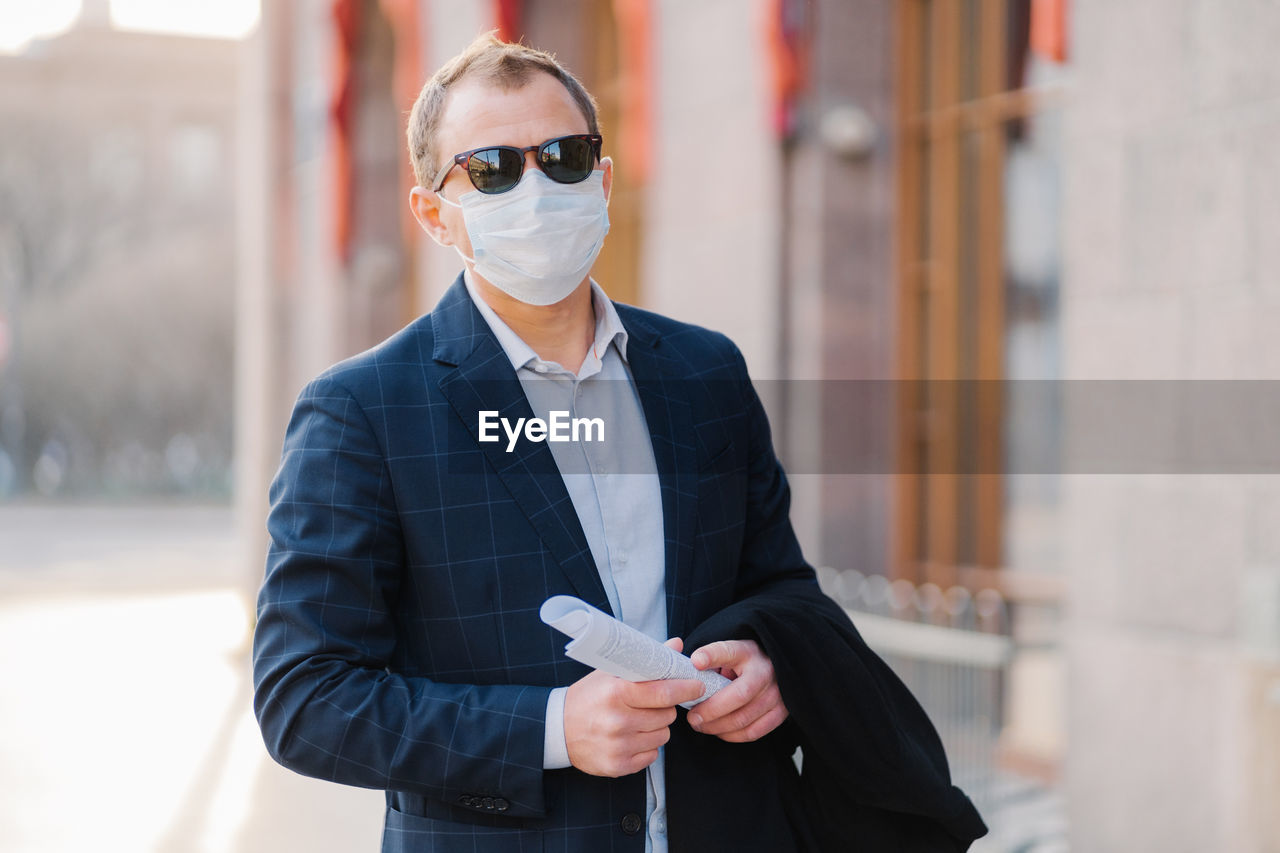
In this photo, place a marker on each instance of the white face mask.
(538, 240)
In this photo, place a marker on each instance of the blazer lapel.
(484, 380)
(658, 381)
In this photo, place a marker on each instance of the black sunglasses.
(496, 169)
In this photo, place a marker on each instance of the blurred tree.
(51, 222)
(118, 288)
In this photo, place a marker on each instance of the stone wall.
(1172, 206)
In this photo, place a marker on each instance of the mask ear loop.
(465, 259)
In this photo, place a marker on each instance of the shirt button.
(658, 822)
(631, 823)
(622, 559)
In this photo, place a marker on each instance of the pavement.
(125, 704)
(1023, 816)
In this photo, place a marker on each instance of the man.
(413, 540)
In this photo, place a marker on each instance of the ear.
(606, 163)
(425, 206)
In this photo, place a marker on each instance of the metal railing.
(952, 648)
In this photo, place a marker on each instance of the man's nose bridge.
(530, 162)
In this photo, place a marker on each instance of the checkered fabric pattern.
(398, 643)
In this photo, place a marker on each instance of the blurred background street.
(126, 697)
(951, 238)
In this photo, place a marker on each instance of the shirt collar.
(609, 328)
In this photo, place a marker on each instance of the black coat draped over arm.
(875, 776)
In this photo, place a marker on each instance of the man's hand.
(614, 727)
(750, 707)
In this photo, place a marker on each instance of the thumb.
(675, 643)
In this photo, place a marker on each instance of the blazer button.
(487, 802)
(500, 804)
(631, 823)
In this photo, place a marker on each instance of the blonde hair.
(506, 64)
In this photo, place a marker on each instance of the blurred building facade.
(116, 263)
(925, 199)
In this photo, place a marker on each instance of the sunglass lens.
(494, 170)
(568, 160)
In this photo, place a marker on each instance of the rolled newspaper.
(602, 642)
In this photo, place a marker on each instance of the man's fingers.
(675, 643)
(733, 696)
(651, 719)
(619, 722)
(639, 762)
(741, 718)
(761, 727)
(662, 694)
(722, 653)
(606, 735)
(643, 741)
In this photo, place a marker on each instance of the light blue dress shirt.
(614, 487)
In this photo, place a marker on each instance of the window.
(977, 274)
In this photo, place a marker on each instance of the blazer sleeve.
(325, 698)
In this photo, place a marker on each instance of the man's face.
(478, 113)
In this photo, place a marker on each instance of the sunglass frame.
(595, 139)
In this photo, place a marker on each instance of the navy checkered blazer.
(398, 644)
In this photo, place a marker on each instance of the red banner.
(1049, 29)
(786, 49)
(342, 95)
(634, 20)
(508, 18)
